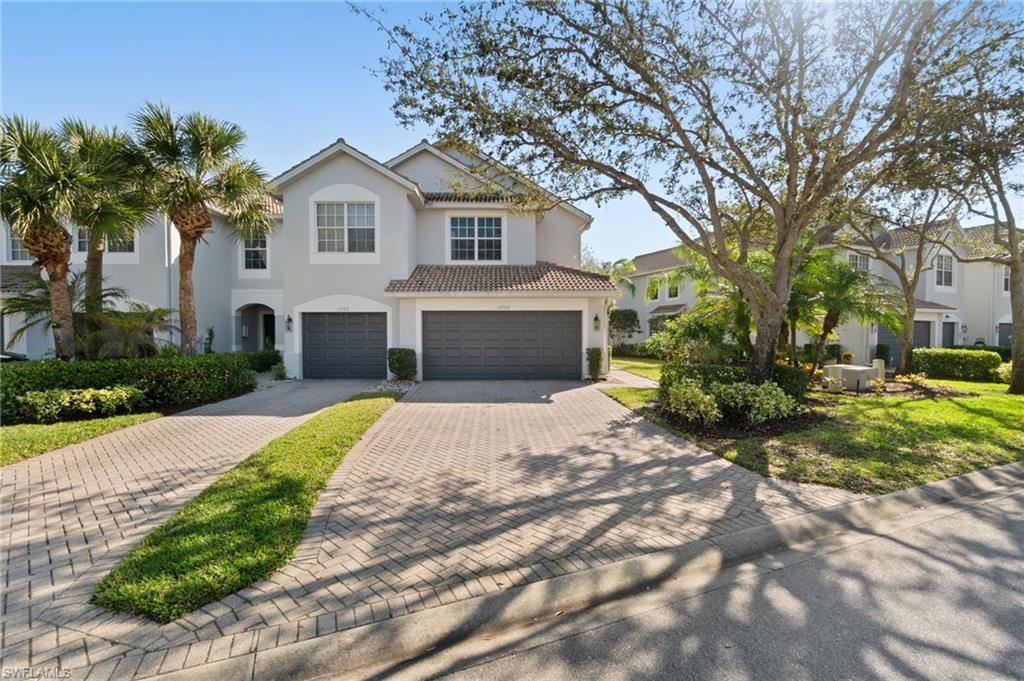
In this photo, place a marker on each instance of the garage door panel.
(344, 345)
(496, 345)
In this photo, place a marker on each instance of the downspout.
(167, 260)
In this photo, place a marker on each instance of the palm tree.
(136, 328)
(115, 210)
(39, 185)
(191, 162)
(33, 302)
(843, 293)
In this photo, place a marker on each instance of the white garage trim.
(339, 302)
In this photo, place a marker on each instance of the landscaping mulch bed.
(806, 418)
(892, 388)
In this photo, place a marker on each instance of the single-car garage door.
(344, 345)
(502, 345)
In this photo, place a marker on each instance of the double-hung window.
(673, 291)
(16, 251)
(477, 239)
(344, 227)
(113, 245)
(944, 270)
(859, 261)
(254, 253)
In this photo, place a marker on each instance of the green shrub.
(1004, 371)
(793, 380)
(64, 404)
(634, 350)
(687, 399)
(262, 360)
(674, 371)
(833, 351)
(752, 403)
(963, 365)
(402, 363)
(622, 324)
(595, 363)
(278, 372)
(883, 352)
(1003, 351)
(166, 381)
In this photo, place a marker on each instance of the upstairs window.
(944, 271)
(1006, 278)
(113, 245)
(673, 291)
(16, 250)
(476, 239)
(254, 253)
(859, 261)
(346, 228)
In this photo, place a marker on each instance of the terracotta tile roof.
(272, 204)
(465, 197)
(668, 309)
(980, 241)
(928, 305)
(542, 277)
(13, 278)
(904, 237)
(665, 259)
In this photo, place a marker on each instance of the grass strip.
(874, 445)
(641, 366)
(243, 526)
(25, 440)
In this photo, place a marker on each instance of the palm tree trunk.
(186, 297)
(94, 293)
(828, 325)
(61, 318)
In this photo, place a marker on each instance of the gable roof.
(14, 279)
(980, 241)
(656, 261)
(542, 277)
(426, 146)
(905, 237)
(342, 147)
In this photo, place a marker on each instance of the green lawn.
(25, 440)
(244, 525)
(641, 366)
(877, 444)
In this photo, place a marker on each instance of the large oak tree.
(693, 106)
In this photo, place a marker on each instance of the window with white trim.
(254, 253)
(476, 238)
(113, 245)
(859, 261)
(16, 250)
(1006, 278)
(944, 270)
(346, 227)
(673, 290)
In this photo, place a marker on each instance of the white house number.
(343, 309)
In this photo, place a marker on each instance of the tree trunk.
(61, 318)
(769, 324)
(828, 325)
(905, 363)
(792, 342)
(1017, 327)
(94, 294)
(186, 299)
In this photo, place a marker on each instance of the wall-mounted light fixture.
(597, 322)
(288, 322)
(245, 331)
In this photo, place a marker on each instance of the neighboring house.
(958, 302)
(416, 252)
(664, 301)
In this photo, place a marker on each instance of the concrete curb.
(403, 637)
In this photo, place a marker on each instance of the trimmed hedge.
(595, 363)
(63, 404)
(402, 363)
(634, 350)
(964, 365)
(262, 360)
(792, 380)
(1005, 352)
(176, 382)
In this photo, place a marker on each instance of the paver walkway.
(72, 513)
(460, 489)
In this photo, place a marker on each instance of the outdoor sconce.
(597, 323)
(288, 322)
(245, 330)
(963, 329)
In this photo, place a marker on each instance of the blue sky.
(294, 75)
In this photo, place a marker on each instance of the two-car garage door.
(502, 345)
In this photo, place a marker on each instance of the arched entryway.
(256, 328)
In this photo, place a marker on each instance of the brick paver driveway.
(462, 488)
(66, 517)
